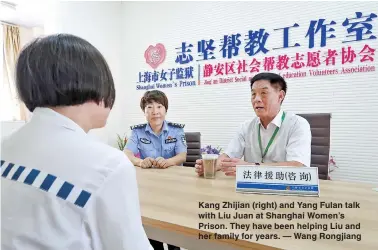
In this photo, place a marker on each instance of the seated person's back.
(60, 188)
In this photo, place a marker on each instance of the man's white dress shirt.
(292, 142)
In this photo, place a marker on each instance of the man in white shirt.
(275, 137)
(60, 189)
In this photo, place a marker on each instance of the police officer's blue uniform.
(170, 142)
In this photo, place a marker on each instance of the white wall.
(100, 24)
(123, 31)
(217, 110)
(24, 12)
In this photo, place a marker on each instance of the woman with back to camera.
(61, 189)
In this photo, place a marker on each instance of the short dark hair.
(275, 80)
(156, 96)
(63, 70)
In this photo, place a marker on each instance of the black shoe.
(156, 245)
(170, 247)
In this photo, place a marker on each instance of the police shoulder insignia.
(177, 125)
(138, 126)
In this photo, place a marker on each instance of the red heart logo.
(155, 55)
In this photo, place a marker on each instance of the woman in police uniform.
(160, 143)
(60, 188)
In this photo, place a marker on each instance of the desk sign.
(301, 181)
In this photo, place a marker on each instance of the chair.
(320, 125)
(193, 140)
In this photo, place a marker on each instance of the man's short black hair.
(63, 70)
(275, 80)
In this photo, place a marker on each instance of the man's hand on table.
(228, 165)
(199, 167)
